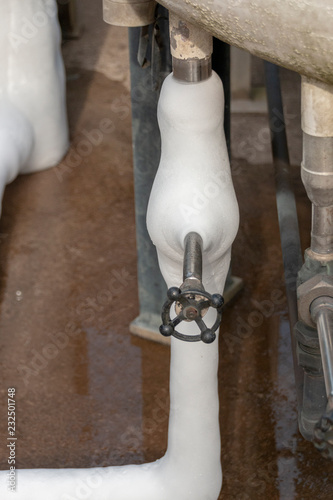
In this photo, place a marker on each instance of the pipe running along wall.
(33, 121)
(192, 191)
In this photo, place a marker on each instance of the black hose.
(286, 205)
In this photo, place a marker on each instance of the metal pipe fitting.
(317, 164)
(320, 285)
(317, 168)
(322, 230)
(129, 13)
(317, 107)
(191, 50)
(193, 257)
(192, 70)
(322, 314)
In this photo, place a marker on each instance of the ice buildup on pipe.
(192, 191)
(33, 120)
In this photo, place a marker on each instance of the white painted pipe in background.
(33, 120)
(192, 191)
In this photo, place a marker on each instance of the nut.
(318, 286)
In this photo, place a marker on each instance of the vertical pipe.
(191, 50)
(322, 230)
(317, 164)
(322, 313)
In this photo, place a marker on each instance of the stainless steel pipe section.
(192, 70)
(296, 34)
(322, 314)
(317, 164)
(317, 169)
(322, 230)
(193, 257)
(191, 50)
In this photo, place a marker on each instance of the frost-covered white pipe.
(33, 121)
(192, 192)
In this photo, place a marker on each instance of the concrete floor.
(89, 393)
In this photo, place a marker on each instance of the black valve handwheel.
(191, 310)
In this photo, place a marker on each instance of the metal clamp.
(191, 300)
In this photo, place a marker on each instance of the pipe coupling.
(129, 13)
(317, 169)
(191, 50)
(317, 107)
(309, 291)
(192, 70)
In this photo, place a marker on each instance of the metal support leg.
(146, 155)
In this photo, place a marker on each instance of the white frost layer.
(192, 192)
(33, 121)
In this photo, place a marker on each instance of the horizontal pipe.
(193, 257)
(296, 34)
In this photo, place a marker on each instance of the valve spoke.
(190, 299)
(201, 324)
(178, 319)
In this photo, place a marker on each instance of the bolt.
(191, 313)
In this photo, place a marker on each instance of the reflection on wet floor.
(285, 415)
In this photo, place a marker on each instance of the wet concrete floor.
(89, 393)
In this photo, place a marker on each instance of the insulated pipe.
(192, 192)
(33, 121)
(317, 164)
(296, 34)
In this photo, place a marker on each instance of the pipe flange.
(318, 286)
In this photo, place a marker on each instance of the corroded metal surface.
(296, 34)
